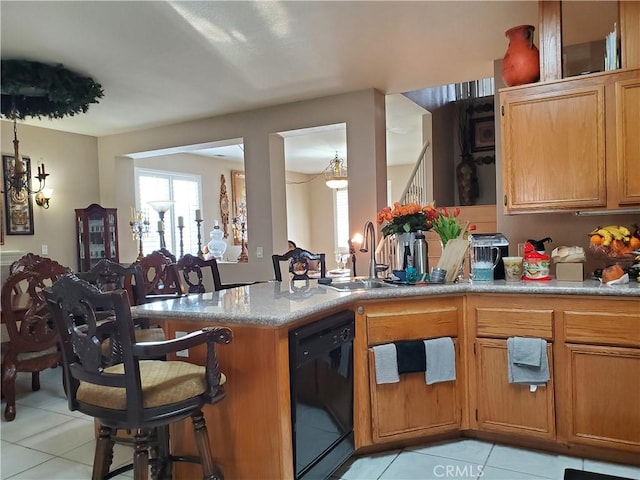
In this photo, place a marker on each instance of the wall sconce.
(42, 198)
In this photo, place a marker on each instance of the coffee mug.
(483, 261)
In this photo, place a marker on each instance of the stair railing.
(414, 192)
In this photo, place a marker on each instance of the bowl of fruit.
(618, 245)
(615, 241)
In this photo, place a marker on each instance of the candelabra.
(139, 224)
(200, 254)
(240, 228)
(181, 227)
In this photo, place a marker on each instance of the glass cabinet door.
(97, 230)
(97, 245)
(113, 241)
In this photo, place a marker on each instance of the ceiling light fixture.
(336, 174)
(16, 179)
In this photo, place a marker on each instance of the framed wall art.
(239, 204)
(18, 204)
(482, 134)
(1, 220)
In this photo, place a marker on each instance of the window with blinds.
(185, 191)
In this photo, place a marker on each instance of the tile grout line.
(390, 463)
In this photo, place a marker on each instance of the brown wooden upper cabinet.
(572, 144)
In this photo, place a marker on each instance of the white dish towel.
(441, 360)
(386, 363)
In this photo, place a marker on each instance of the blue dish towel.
(411, 356)
(527, 361)
(386, 363)
(441, 360)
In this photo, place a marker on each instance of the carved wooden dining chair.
(33, 342)
(150, 396)
(25, 261)
(159, 277)
(108, 275)
(303, 264)
(192, 268)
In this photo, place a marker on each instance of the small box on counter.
(570, 272)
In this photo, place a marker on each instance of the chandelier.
(16, 180)
(35, 89)
(336, 174)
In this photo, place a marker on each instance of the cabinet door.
(553, 140)
(628, 140)
(411, 408)
(97, 233)
(605, 396)
(506, 407)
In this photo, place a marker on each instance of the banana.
(625, 231)
(594, 231)
(607, 236)
(615, 231)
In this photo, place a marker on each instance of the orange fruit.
(618, 246)
(634, 243)
(595, 240)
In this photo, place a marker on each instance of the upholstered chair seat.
(163, 383)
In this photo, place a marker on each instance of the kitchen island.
(250, 429)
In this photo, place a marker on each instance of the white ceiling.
(163, 62)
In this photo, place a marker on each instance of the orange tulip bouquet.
(407, 218)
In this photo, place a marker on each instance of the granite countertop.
(277, 304)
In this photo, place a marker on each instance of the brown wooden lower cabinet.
(408, 409)
(411, 407)
(495, 404)
(592, 402)
(600, 374)
(605, 396)
(511, 408)
(591, 406)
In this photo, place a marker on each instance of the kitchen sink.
(360, 284)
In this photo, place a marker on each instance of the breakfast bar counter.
(592, 330)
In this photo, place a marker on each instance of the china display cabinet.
(97, 234)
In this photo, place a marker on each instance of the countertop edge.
(267, 305)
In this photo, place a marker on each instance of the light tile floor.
(47, 441)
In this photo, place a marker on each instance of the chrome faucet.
(369, 244)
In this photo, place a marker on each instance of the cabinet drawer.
(602, 328)
(432, 323)
(507, 322)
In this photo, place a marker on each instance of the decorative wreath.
(35, 89)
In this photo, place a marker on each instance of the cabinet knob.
(360, 310)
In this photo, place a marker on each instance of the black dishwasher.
(321, 367)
